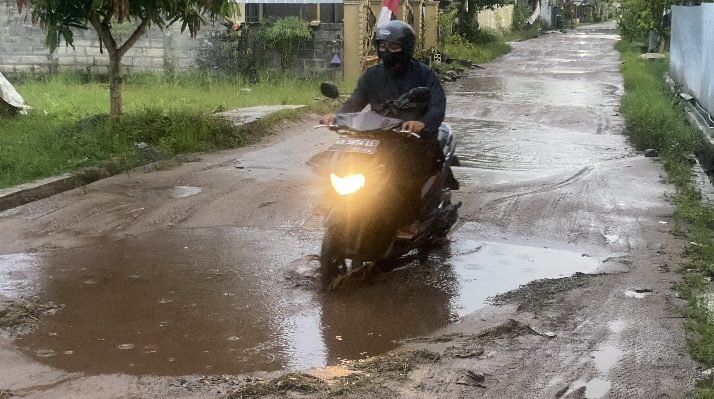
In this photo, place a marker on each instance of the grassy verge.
(477, 53)
(655, 119)
(68, 128)
(494, 45)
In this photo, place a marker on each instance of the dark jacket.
(378, 85)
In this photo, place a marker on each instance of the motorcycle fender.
(352, 232)
(357, 240)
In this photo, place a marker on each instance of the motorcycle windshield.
(366, 121)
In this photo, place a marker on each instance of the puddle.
(185, 191)
(594, 389)
(17, 273)
(528, 150)
(606, 357)
(224, 304)
(500, 267)
(634, 293)
(519, 89)
(597, 388)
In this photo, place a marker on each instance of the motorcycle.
(372, 216)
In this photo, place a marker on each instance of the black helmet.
(397, 31)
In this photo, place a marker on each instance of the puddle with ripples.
(219, 301)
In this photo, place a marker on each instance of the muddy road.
(195, 280)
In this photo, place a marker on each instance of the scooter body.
(373, 214)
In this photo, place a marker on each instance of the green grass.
(654, 118)
(490, 49)
(517, 36)
(67, 127)
(477, 53)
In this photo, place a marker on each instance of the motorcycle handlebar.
(348, 132)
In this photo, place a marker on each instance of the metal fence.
(692, 51)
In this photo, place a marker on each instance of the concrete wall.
(692, 51)
(23, 49)
(545, 11)
(499, 19)
(314, 59)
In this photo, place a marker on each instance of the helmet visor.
(392, 47)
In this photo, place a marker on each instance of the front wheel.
(331, 255)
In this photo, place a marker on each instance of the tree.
(59, 17)
(638, 17)
(568, 11)
(467, 10)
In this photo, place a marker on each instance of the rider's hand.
(328, 120)
(413, 126)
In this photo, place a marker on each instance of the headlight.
(348, 184)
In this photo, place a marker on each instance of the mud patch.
(23, 317)
(509, 329)
(319, 162)
(397, 364)
(296, 382)
(541, 294)
(304, 272)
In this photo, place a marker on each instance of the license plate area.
(363, 146)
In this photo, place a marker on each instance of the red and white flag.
(390, 7)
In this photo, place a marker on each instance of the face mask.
(391, 60)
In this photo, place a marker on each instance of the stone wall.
(23, 49)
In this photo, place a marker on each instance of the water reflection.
(368, 320)
(217, 301)
(167, 303)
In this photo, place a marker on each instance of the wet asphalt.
(199, 293)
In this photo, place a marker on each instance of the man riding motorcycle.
(396, 75)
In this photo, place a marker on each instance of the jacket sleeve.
(436, 112)
(359, 98)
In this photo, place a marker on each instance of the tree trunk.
(468, 25)
(115, 82)
(116, 53)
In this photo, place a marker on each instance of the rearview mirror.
(329, 90)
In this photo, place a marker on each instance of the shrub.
(287, 35)
(484, 36)
(521, 13)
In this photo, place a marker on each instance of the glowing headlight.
(348, 184)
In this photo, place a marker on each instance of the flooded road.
(210, 268)
(205, 301)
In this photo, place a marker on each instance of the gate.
(360, 19)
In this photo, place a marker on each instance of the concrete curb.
(706, 157)
(15, 196)
(22, 194)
